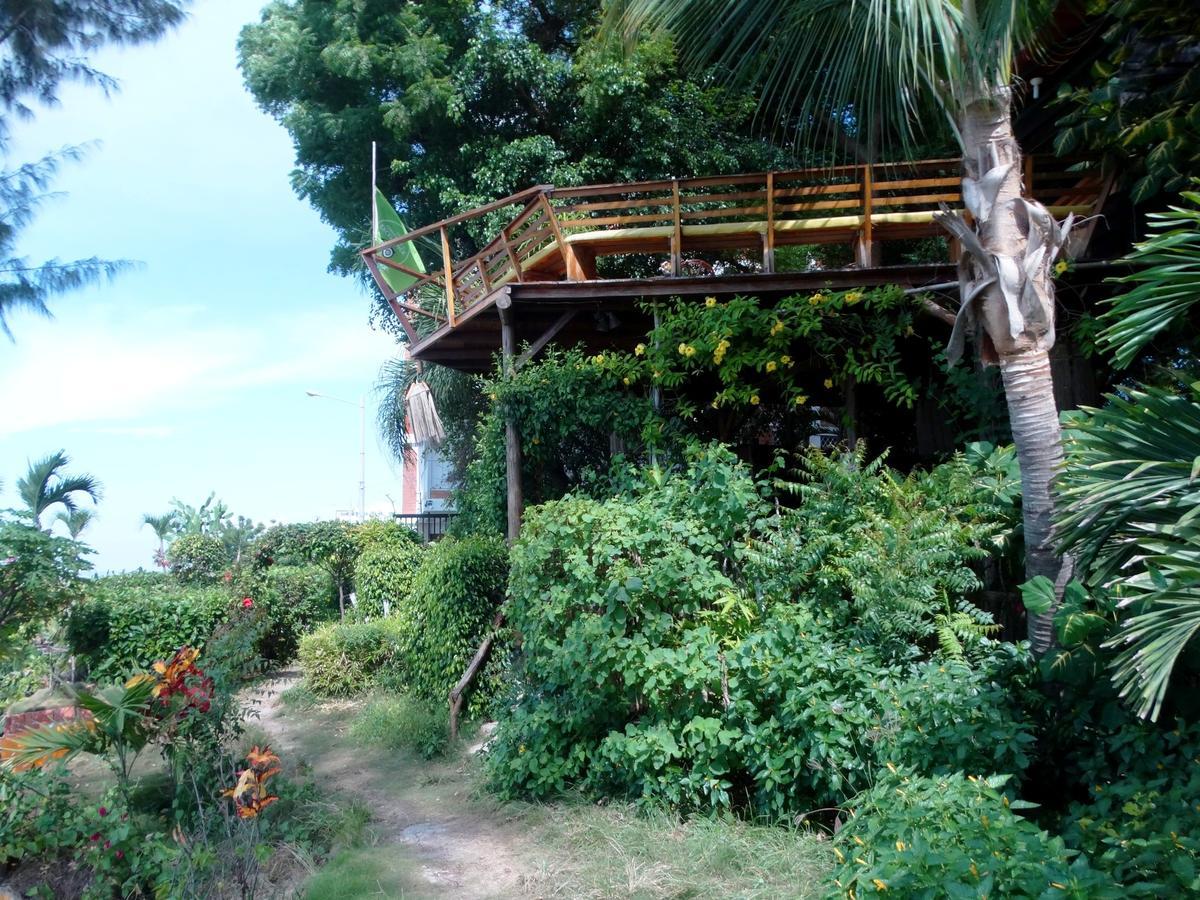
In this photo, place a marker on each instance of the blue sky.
(189, 374)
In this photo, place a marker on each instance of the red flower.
(247, 603)
(103, 811)
(96, 836)
(107, 844)
(120, 854)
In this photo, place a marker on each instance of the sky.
(189, 374)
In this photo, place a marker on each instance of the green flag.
(388, 226)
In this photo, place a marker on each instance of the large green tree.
(877, 65)
(470, 102)
(44, 43)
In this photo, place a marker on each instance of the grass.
(364, 873)
(397, 722)
(592, 852)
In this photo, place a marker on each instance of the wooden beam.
(546, 337)
(558, 236)
(448, 264)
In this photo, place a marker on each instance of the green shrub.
(347, 658)
(664, 657)
(954, 836)
(383, 573)
(455, 594)
(197, 558)
(147, 620)
(297, 599)
(398, 722)
(1141, 821)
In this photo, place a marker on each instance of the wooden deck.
(540, 248)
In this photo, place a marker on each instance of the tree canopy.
(469, 103)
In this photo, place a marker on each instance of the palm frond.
(1130, 513)
(1132, 469)
(871, 66)
(1165, 289)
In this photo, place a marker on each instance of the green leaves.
(1130, 496)
(1166, 283)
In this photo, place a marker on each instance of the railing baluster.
(677, 232)
(448, 263)
(769, 242)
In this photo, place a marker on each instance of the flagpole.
(374, 205)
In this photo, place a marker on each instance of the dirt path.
(460, 847)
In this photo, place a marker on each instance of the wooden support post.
(677, 231)
(769, 237)
(448, 265)
(512, 439)
(512, 257)
(867, 252)
(1028, 175)
(558, 235)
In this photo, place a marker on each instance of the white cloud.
(106, 367)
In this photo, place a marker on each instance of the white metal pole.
(362, 458)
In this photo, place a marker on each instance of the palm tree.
(46, 485)
(1130, 494)
(873, 67)
(75, 520)
(164, 526)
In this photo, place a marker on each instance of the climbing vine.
(804, 348)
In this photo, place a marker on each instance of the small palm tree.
(163, 526)
(46, 485)
(75, 520)
(879, 69)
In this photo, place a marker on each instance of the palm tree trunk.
(1029, 390)
(1016, 312)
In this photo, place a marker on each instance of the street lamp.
(362, 447)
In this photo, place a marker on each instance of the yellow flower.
(776, 328)
(710, 302)
(683, 349)
(754, 399)
(853, 297)
(713, 404)
(801, 399)
(625, 380)
(828, 382)
(786, 360)
(879, 883)
(974, 870)
(771, 366)
(521, 749)
(656, 374)
(1061, 266)
(816, 299)
(639, 350)
(900, 846)
(598, 359)
(859, 841)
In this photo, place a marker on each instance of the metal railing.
(429, 526)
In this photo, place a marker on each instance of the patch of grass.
(373, 872)
(398, 722)
(592, 852)
(300, 697)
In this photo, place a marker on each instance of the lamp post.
(362, 447)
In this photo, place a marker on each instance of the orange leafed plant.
(250, 795)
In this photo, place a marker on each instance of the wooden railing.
(549, 233)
